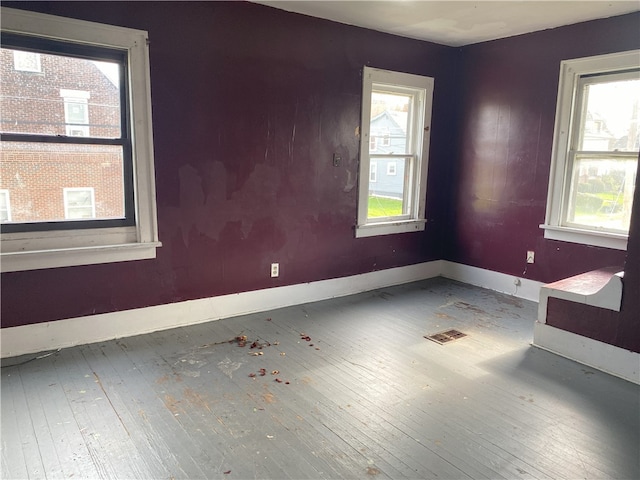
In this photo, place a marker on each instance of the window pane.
(390, 124)
(610, 116)
(37, 174)
(79, 203)
(77, 112)
(601, 193)
(389, 193)
(39, 102)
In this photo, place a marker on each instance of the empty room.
(320, 240)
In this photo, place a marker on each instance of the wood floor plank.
(100, 423)
(153, 425)
(17, 430)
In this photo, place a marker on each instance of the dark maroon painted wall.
(249, 104)
(507, 119)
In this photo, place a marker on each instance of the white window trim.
(570, 72)
(36, 250)
(416, 220)
(392, 169)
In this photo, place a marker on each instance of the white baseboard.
(601, 356)
(500, 282)
(65, 333)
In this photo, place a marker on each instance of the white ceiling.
(455, 22)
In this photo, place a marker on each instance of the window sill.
(67, 257)
(66, 248)
(585, 237)
(388, 228)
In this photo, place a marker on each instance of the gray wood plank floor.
(349, 388)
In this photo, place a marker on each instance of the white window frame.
(7, 202)
(570, 74)
(19, 66)
(67, 207)
(57, 248)
(420, 123)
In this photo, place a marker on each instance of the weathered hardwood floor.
(364, 396)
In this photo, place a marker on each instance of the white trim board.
(66, 333)
(602, 356)
(499, 282)
(108, 326)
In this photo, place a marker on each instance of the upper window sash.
(579, 120)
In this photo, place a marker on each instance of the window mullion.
(65, 139)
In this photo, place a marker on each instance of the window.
(76, 110)
(85, 119)
(373, 144)
(399, 104)
(391, 168)
(79, 203)
(5, 207)
(26, 61)
(595, 150)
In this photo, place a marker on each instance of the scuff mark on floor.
(228, 366)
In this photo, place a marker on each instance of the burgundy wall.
(507, 118)
(249, 104)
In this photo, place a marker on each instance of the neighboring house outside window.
(5, 207)
(398, 109)
(595, 151)
(84, 120)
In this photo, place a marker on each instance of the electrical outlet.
(275, 270)
(337, 159)
(530, 256)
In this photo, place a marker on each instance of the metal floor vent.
(445, 337)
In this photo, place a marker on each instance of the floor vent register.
(445, 337)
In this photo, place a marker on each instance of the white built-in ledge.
(599, 288)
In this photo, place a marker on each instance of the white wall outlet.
(275, 270)
(530, 256)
